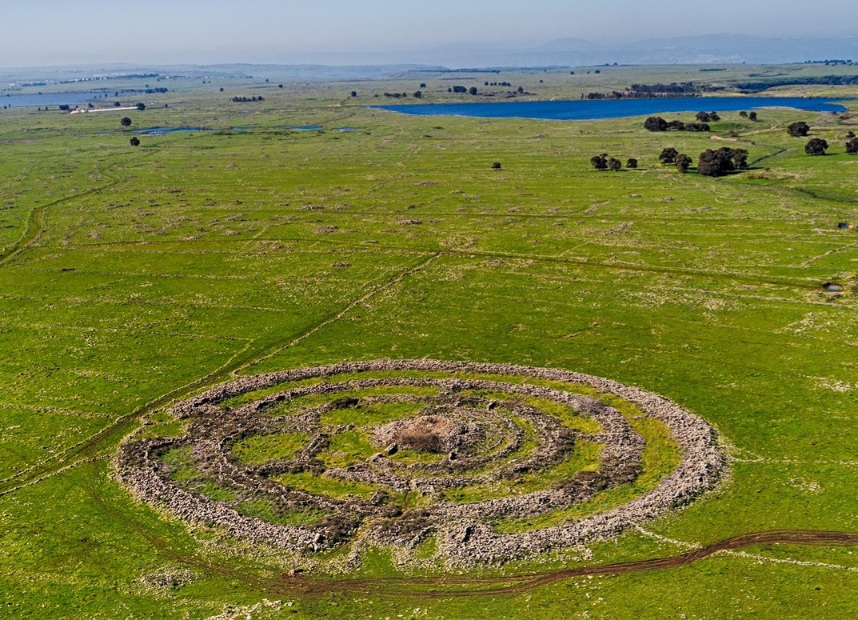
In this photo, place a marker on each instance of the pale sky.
(43, 32)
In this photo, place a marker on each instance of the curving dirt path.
(452, 586)
(446, 587)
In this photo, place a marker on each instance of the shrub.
(798, 129)
(655, 123)
(816, 146)
(668, 155)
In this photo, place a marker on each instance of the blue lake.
(611, 108)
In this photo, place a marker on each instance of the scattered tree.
(740, 158)
(852, 146)
(720, 162)
(496, 165)
(668, 155)
(816, 146)
(473, 90)
(655, 123)
(850, 135)
(125, 122)
(752, 116)
(632, 163)
(354, 93)
(798, 129)
(418, 94)
(600, 162)
(141, 106)
(135, 141)
(743, 114)
(422, 85)
(614, 164)
(683, 161)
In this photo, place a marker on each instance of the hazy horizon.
(53, 33)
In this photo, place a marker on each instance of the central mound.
(492, 461)
(431, 433)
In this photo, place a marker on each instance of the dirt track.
(446, 587)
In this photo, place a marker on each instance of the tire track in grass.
(433, 587)
(451, 586)
(247, 357)
(36, 220)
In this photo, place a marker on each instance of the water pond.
(160, 131)
(612, 108)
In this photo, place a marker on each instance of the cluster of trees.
(655, 91)
(749, 115)
(722, 161)
(416, 94)
(711, 163)
(657, 123)
(824, 80)
(603, 162)
(498, 84)
(671, 156)
(818, 146)
(461, 89)
(247, 99)
(673, 89)
(707, 117)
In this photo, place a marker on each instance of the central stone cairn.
(458, 434)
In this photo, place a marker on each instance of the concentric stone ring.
(491, 461)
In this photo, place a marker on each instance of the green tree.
(655, 123)
(683, 161)
(816, 146)
(668, 155)
(798, 129)
(600, 162)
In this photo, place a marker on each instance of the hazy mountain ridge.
(566, 52)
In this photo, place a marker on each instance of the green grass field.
(132, 277)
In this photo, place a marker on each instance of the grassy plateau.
(131, 277)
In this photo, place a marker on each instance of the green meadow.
(131, 277)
